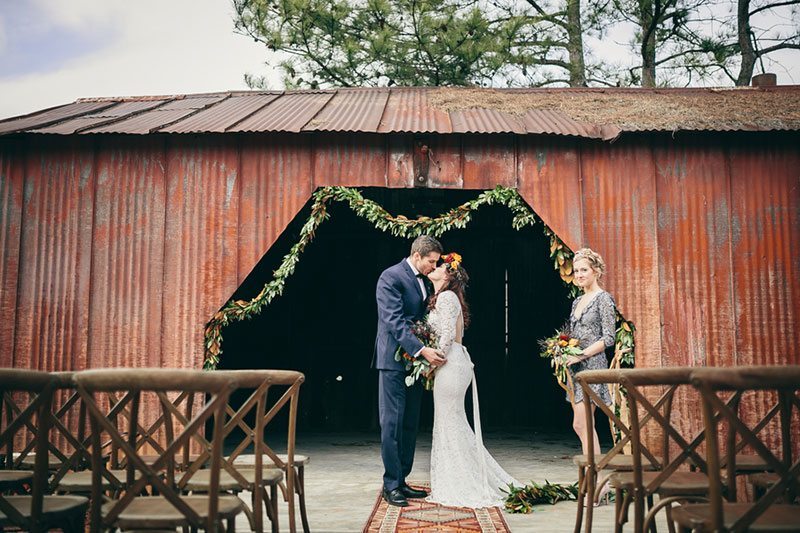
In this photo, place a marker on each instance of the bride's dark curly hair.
(456, 280)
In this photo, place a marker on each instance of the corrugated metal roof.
(581, 112)
(355, 110)
(112, 114)
(407, 111)
(51, 116)
(219, 117)
(289, 113)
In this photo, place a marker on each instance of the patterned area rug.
(423, 517)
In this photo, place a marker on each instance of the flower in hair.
(452, 260)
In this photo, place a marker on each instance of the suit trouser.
(398, 409)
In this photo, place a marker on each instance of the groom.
(402, 294)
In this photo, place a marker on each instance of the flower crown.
(452, 260)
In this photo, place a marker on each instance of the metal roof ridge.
(247, 116)
(37, 112)
(114, 120)
(193, 113)
(323, 106)
(47, 124)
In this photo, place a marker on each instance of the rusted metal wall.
(117, 250)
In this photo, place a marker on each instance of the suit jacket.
(400, 303)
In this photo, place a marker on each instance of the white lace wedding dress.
(463, 474)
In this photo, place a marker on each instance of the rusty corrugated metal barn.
(127, 222)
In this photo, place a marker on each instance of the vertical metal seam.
(386, 161)
(165, 181)
(731, 287)
(460, 159)
(92, 242)
(238, 146)
(516, 170)
(579, 150)
(22, 153)
(660, 308)
(313, 168)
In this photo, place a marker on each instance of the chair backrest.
(662, 383)
(713, 384)
(134, 385)
(26, 399)
(605, 377)
(262, 411)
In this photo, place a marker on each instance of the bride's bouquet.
(419, 367)
(558, 348)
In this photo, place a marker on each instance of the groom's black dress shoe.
(408, 492)
(395, 497)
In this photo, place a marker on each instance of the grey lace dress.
(597, 322)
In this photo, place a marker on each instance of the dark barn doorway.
(324, 323)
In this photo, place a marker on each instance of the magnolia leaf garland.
(400, 226)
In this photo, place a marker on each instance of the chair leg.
(581, 499)
(618, 510)
(650, 506)
(301, 492)
(257, 514)
(591, 486)
(670, 523)
(273, 491)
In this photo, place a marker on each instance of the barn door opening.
(324, 323)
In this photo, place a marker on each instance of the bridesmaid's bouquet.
(558, 348)
(419, 368)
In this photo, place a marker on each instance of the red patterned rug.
(423, 517)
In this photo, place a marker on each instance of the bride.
(463, 474)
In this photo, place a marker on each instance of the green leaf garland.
(400, 226)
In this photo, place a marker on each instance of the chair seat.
(764, 479)
(679, 483)
(82, 481)
(11, 479)
(52, 506)
(53, 462)
(747, 463)
(201, 480)
(299, 460)
(775, 518)
(618, 462)
(156, 511)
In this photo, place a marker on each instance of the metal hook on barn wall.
(422, 158)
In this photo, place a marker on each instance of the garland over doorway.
(400, 226)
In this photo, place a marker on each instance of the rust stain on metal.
(407, 110)
(221, 116)
(275, 183)
(291, 112)
(549, 178)
(356, 110)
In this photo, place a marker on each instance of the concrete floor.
(344, 477)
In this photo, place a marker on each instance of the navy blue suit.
(400, 302)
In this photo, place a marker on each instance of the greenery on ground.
(522, 499)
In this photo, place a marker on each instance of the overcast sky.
(56, 51)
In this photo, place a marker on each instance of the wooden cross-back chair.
(655, 417)
(614, 460)
(27, 397)
(169, 508)
(766, 513)
(268, 468)
(151, 436)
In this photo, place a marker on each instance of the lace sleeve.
(447, 308)
(607, 308)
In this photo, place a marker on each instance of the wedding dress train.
(463, 473)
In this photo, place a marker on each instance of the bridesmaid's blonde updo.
(595, 261)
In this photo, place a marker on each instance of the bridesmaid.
(592, 322)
